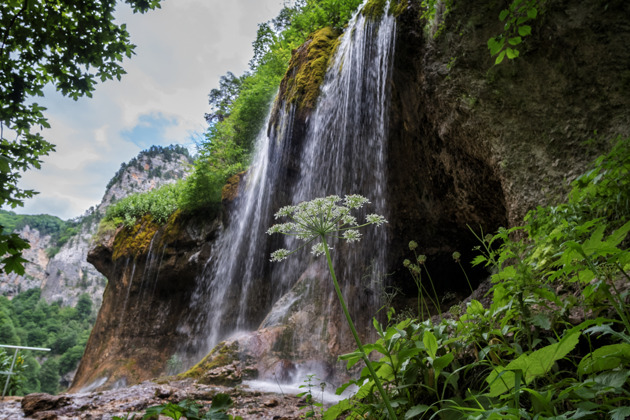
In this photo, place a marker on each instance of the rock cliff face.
(151, 272)
(11, 284)
(470, 144)
(477, 144)
(67, 274)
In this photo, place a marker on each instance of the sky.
(182, 50)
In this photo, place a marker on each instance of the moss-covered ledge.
(374, 9)
(306, 71)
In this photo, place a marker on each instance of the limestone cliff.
(151, 272)
(470, 144)
(66, 274)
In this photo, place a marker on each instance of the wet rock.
(134, 400)
(42, 403)
(229, 375)
(271, 403)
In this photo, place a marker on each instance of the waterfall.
(343, 152)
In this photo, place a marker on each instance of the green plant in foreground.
(416, 273)
(190, 410)
(311, 402)
(315, 221)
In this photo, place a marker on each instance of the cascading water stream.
(343, 152)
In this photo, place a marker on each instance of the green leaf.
(620, 413)
(430, 343)
(335, 411)
(532, 13)
(475, 308)
(14, 264)
(504, 13)
(441, 362)
(515, 40)
(532, 365)
(542, 320)
(221, 402)
(495, 45)
(512, 53)
(524, 30)
(612, 381)
(479, 259)
(5, 164)
(605, 358)
(416, 411)
(352, 358)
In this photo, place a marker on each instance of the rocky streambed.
(248, 403)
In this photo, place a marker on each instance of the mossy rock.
(374, 9)
(230, 189)
(136, 240)
(397, 7)
(221, 355)
(307, 69)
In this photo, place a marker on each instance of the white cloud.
(182, 51)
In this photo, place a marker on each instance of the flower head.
(355, 201)
(322, 217)
(375, 219)
(352, 235)
(280, 254)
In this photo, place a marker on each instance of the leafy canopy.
(71, 45)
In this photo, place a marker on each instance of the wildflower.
(280, 254)
(413, 245)
(456, 256)
(315, 220)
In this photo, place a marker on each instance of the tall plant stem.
(342, 301)
(466, 275)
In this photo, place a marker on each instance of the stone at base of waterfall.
(229, 375)
(39, 406)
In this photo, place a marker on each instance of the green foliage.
(159, 203)
(27, 320)
(191, 410)
(67, 44)
(59, 230)
(8, 334)
(49, 376)
(84, 307)
(517, 18)
(70, 359)
(555, 341)
(313, 408)
(17, 379)
(415, 269)
(222, 99)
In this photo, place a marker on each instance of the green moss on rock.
(221, 355)
(230, 189)
(136, 240)
(397, 7)
(173, 228)
(374, 9)
(307, 69)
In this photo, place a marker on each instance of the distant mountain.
(59, 248)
